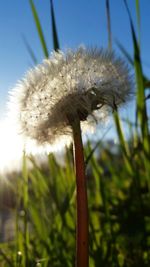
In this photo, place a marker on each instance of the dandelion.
(79, 88)
(86, 84)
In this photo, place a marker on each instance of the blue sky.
(78, 22)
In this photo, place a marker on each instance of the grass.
(118, 190)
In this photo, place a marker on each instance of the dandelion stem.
(82, 259)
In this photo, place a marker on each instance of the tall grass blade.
(18, 191)
(116, 116)
(108, 25)
(141, 110)
(92, 151)
(120, 134)
(138, 17)
(7, 260)
(146, 83)
(39, 29)
(123, 143)
(30, 51)
(25, 210)
(125, 53)
(131, 61)
(54, 29)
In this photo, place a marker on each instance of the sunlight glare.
(11, 148)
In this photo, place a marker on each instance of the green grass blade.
(30, 51)
(146, 83)
(116, 117)
(108, 25)
(92, 151)
(141, 104)
(7, 260)
(54, 29)
(123, 143)
(121, 135)
(39, 29)
(131, 61)
(125, 53)
(138, 17)
(25, 209)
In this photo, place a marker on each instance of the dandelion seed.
(84, 83)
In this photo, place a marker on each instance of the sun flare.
(11, 148)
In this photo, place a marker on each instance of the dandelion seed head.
(86, 83)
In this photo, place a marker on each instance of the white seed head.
(87, 83)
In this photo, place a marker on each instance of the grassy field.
(118, 176)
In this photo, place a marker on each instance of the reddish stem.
(82, 258)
